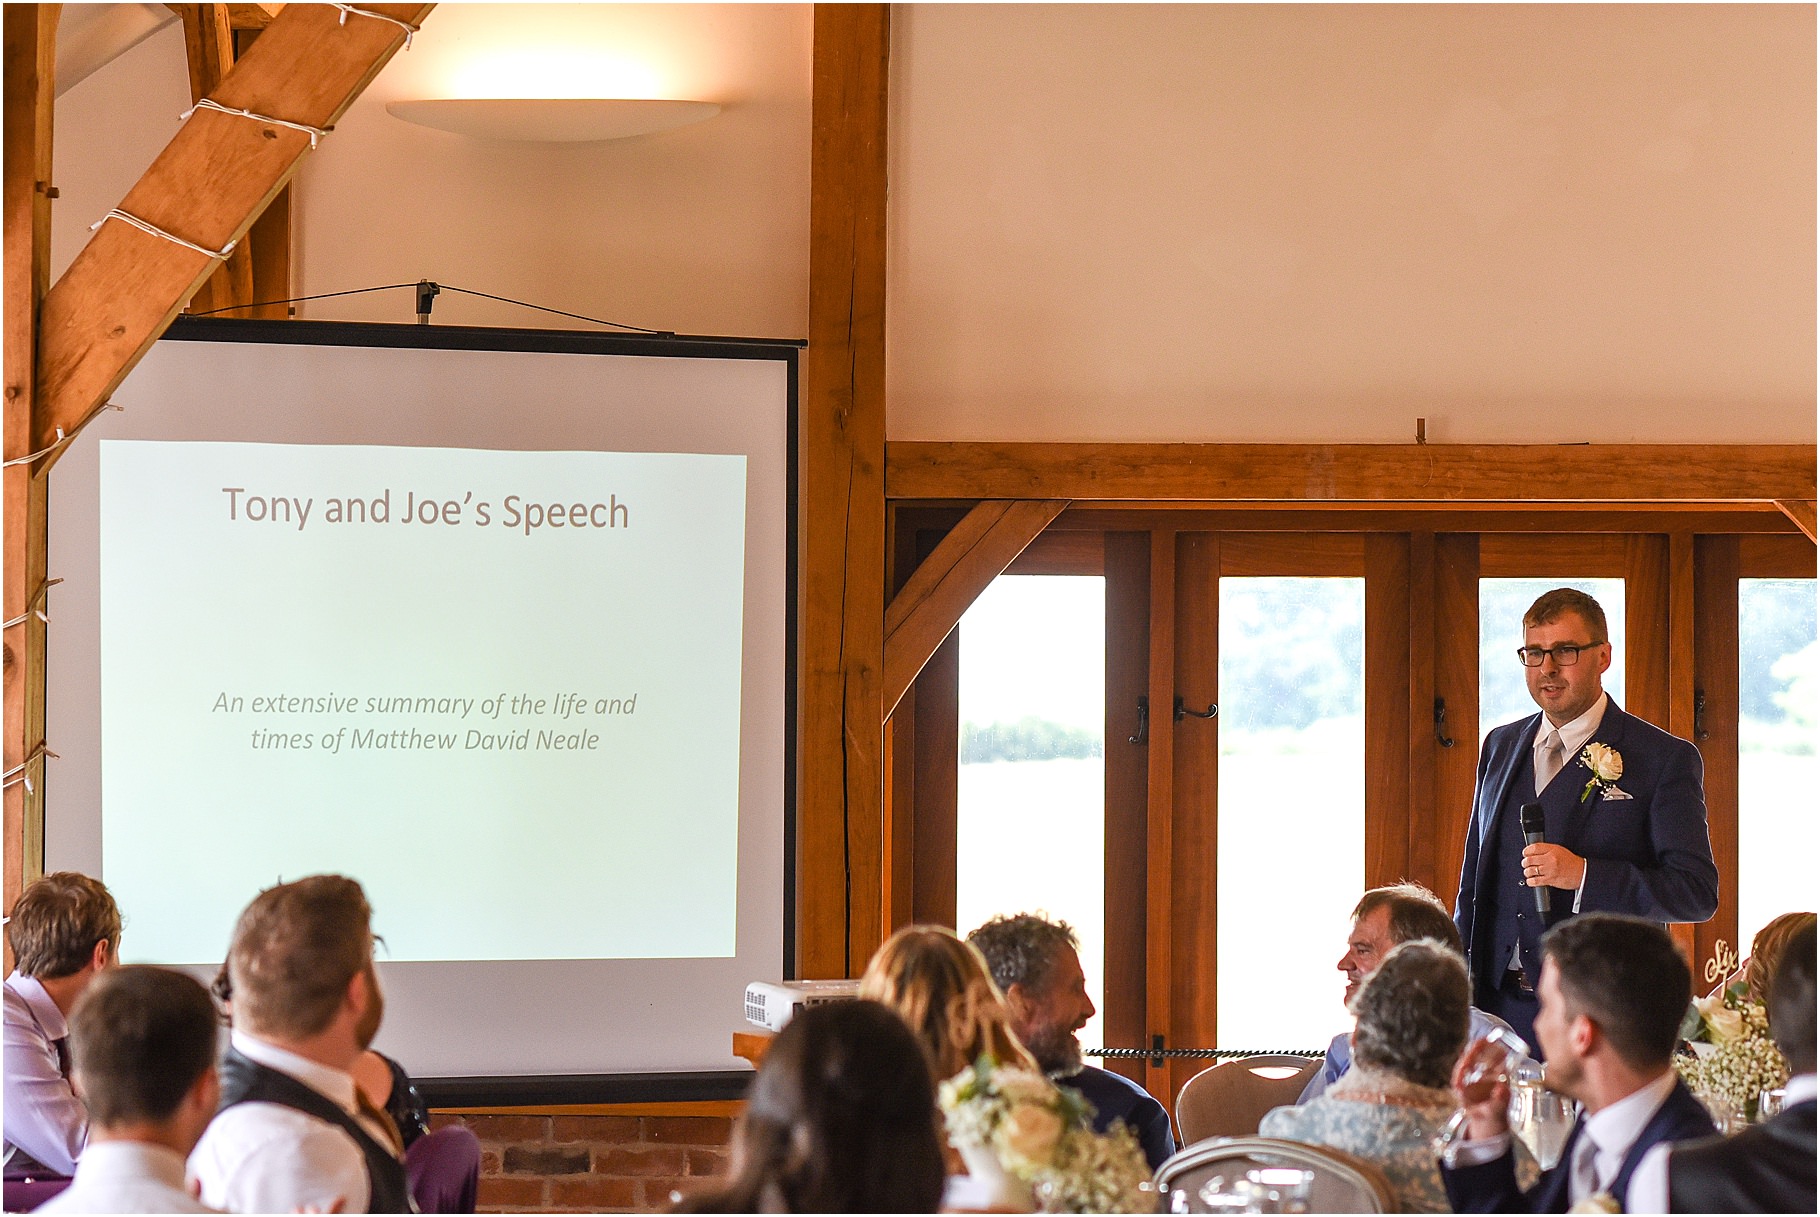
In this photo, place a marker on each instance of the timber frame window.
(1422, 568)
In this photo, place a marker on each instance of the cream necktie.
(1553, 758)
(1584, 1179)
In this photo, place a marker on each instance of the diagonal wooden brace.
(207, 187)
(972, 555)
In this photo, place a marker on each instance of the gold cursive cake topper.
(1723, 963)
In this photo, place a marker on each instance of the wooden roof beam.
(207, 187)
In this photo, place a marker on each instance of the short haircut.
(56, 922)
(1415, 913)
(1023, 950)
(1791, 1001)
(1413, 1013)
(140, 1037)
(296, 949)
(1627, 975)
(1550, 605)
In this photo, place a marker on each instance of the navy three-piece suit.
(1492, 1186)
(1647, 854)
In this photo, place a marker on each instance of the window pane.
(1292, 805)
(1503, 695)
(1032, 804)
(1778, 719)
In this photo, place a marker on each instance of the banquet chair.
(1342, 1183)
(1231, 1098)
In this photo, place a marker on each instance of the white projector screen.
(496, 622)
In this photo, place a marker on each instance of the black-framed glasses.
(1567, 654)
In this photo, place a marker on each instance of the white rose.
(1605, 762)
(1029, 1134)
(1727, 1024)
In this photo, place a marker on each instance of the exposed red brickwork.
(593, 1164)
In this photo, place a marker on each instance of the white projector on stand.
(770, 1005)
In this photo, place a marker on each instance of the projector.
(772, 1005)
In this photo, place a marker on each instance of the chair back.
(1342, 1183)
(1231, 1099)
(25, 1193)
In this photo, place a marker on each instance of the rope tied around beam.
(209, 103)
(147, 226)
(32, 606)
(62, 439)
(357, 11)
(18, 774)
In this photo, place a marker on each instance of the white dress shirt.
(44, 1119)
(1573, 738)
(127, 1177)
(1648, 1192)
(268, 1158)
(1607, 1136)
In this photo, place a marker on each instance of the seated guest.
(940, 986)
(1768, 1168)
(144, 1044)
(442, 1167)
(293, 1133)
(1037, 966)
(1766, 952)
(1394, 1100)
(1384, 917)
(1611, 995)
(840, 1119)
(64, 929)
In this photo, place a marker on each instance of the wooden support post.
(970, 557)
(30, 64)
(840, 741)
(1456, 678)
(1715, 731)
(1159, 912)
(1395, 719)
(206, 187)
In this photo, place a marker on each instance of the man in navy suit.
(1628, 836)
(1613, 990)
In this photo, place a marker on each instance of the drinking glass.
(1770, 1102)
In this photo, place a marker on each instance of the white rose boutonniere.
(1607, 767)
(1598, 1202)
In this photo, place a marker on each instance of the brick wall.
(593, 1164)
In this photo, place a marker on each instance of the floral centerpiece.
(1734, 1059)
(1040, 1134)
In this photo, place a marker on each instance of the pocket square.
(1612, 792)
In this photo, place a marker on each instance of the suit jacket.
(1767, 1168)
(1492, 1186)
(1648, 855)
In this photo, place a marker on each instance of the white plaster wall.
(1317, 222)
(1132, 222)
(703, 230)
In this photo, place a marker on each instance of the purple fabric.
(25, 1194)
(444, 1170)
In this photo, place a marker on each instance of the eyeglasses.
(1566, 655)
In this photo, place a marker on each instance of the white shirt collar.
(1575, 734)
(1800, 1089)
(50, 1018)
(130, 1161)
(332, 1084)
(1616, 1128)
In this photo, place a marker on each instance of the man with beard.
(293, 1133)
(1037, 965)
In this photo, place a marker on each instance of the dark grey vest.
(247, 1081)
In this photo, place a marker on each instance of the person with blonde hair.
(1767, 950)
(941, 987)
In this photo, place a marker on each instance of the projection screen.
(497, 622)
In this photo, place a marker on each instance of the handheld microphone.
(1535, 833)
